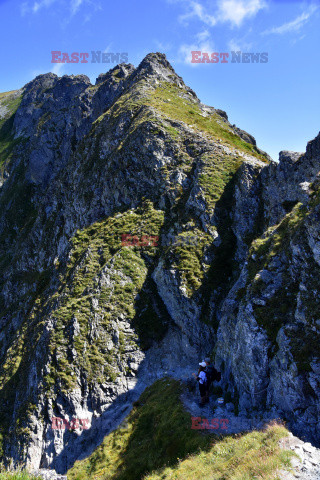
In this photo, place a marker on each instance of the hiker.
(202, 379)
(212, 375)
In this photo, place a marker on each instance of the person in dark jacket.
(212, 375)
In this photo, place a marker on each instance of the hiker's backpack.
(217, 375)
(212, 374)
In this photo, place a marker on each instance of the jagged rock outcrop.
(88, 320)
(268, 336)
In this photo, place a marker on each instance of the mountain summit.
(140, 232)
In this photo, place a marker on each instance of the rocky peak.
(120, 71)
(313, 148)
(61, 110)
(287, 158)
(41, 82)
(70, 86)
(156, 69)
(156, 65)
(287, 182)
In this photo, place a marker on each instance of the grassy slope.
(93, 249)
(255, 455)
(169, 100)
(156, 433)
(17, 475)
(156, 440)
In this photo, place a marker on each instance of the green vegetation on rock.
(279, 309)
(100, 266)
(17, 475)
(240, 457)
(175, 104)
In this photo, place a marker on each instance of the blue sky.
(278, 102)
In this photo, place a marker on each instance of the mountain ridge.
(87, 322)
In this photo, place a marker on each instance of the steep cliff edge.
(268, 336)
(88, 321)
